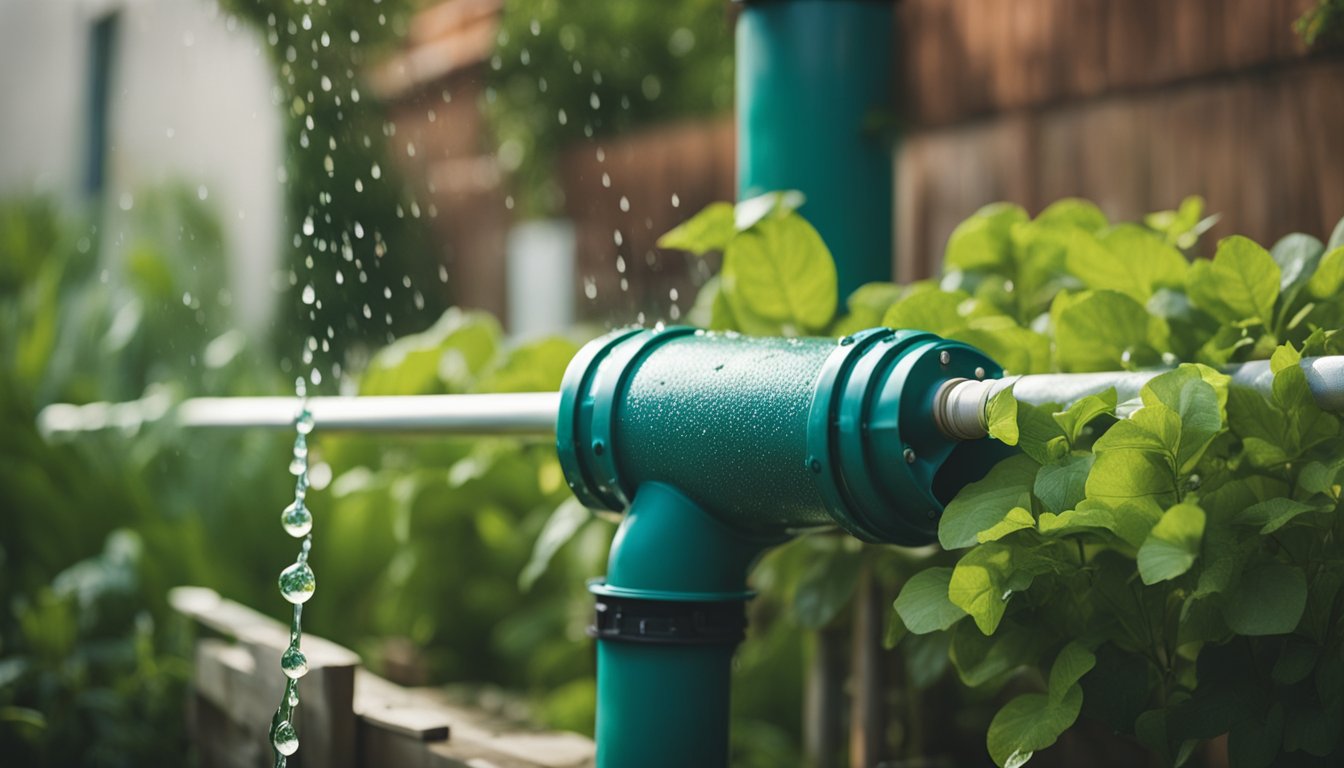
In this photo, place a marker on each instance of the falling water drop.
(294, 663)
(309, 295)
(308, 226)
(296, 519)
(297, 583)
(285, 739)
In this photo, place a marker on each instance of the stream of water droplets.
(296, 585)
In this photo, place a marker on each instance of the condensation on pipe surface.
(525, 414)
(962, 405)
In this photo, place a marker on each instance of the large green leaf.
(781, 271)
(709, 230)
(1031, 722)
(560, 527)
(826, 587)
(1241, 283)
(1102, 330)
(1118, 477)
(1298, 257)
(1083, 411)
(1130, 259)
(1017, 519)
(983, 241)
(1062, 486)
(979, 584)
(1267, 600)
(981, 659)
(934, 311)
(1326, 281)
(923, 604)
(1173, 544)
(985, 502)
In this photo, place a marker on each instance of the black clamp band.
(669, 622)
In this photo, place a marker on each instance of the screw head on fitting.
(945, 357)
(909, 456)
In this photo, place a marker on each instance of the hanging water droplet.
(285, 739)
(293, 663)
(297, 583)
(296, 519)
(304, 423)
(298, 466)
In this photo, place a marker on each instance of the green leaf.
(983, 242)
(560, 527)
(1267, 600)
(1088, 515)
(1073, 212)
(986, 577)
(1241, 283)
(1336, 237)
(1325, 282)
(874, 297)
(1102, 330)
(934, 311)
(982, 504)
(1029, 723)
(748, 213)
(1017, 519)
(923, 604)
(1074, 661)
(1017, 349)
(1083, 411)
(1168, 387)
(1183, 226)
(1298, 257)
(782, 272)
(709, 230)
(1143, 477)
(1062, 486)
(825, 588)
(980, 659)
(1131, 260)
(1257, 742)
(1173, 544)
(1003, 417)
(1273, 514)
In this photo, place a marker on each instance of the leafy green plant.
(565, 71)
(1322, 24)
(1169, 566)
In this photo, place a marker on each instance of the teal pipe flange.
(873, 447)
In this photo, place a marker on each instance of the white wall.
(190, 101)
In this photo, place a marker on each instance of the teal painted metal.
(772, 435)
(814, 77)
(721, 446)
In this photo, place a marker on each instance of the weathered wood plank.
(1261, 148)
(960, 59)
(243, 679)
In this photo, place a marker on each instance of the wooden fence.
(349, 717)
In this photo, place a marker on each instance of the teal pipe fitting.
(721, 446)
(814, 79)
(773, 435)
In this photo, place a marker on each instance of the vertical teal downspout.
(670, 613)
(814, 82)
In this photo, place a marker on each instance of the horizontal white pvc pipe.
(529, 413)
(962, 407)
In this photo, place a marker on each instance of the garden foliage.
(1169, 565)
